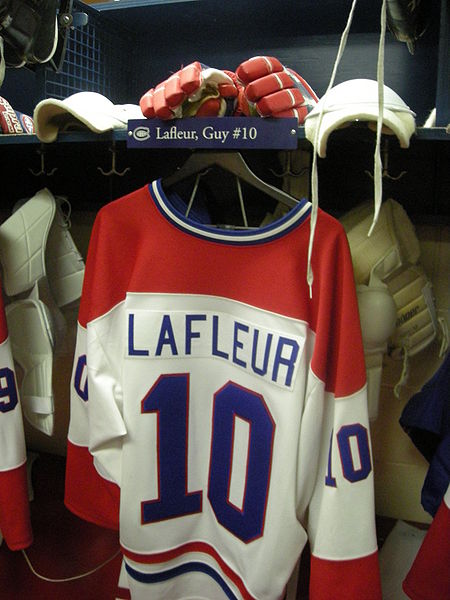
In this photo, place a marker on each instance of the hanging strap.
(314, 177)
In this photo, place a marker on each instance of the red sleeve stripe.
(356, 579)
(88, 495)
(15, 509)
(123, 594)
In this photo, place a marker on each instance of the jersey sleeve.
(340, 517)
(429, 576)
(88, 493)
(15, 523)
(92, 485)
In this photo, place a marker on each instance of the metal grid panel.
(93, 62)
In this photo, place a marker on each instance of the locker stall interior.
(121, 49)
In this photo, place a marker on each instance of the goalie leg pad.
(392, 244)
(416, 324)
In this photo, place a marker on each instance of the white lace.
(378, 166)
(314, 178)
(2, 62)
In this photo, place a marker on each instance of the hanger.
(241, 200)
(232, 162)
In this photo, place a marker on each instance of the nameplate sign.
(225, 133)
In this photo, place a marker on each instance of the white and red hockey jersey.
(15, 524)
(429, 576)
(224, 410)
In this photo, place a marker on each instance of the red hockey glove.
(195, 90)
(13, 121)
(273, 90)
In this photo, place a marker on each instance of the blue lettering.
(192, 334)
(215, 335)
(281, 360)
(169, 398)
(237, 343)
(132, 351)
(9, 391)
(229, 402)
(80, 374)
(263, 370)
(330, 481)
(166, 336)
(359, 432)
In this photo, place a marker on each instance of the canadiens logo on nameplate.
(226, 133)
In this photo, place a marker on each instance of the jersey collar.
(274, 230)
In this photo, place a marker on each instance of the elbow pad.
(30, 330)
(378, 313)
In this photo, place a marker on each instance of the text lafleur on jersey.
(177, 334)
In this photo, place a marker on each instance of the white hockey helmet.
(357, 100)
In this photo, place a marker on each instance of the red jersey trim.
(123, 594)
(87, 494)
(15, 519)
(357, 579)
(429, 576)
(202, 547)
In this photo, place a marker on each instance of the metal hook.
(42, 170)
(288, 169)
(113, 170)
(385, 173)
